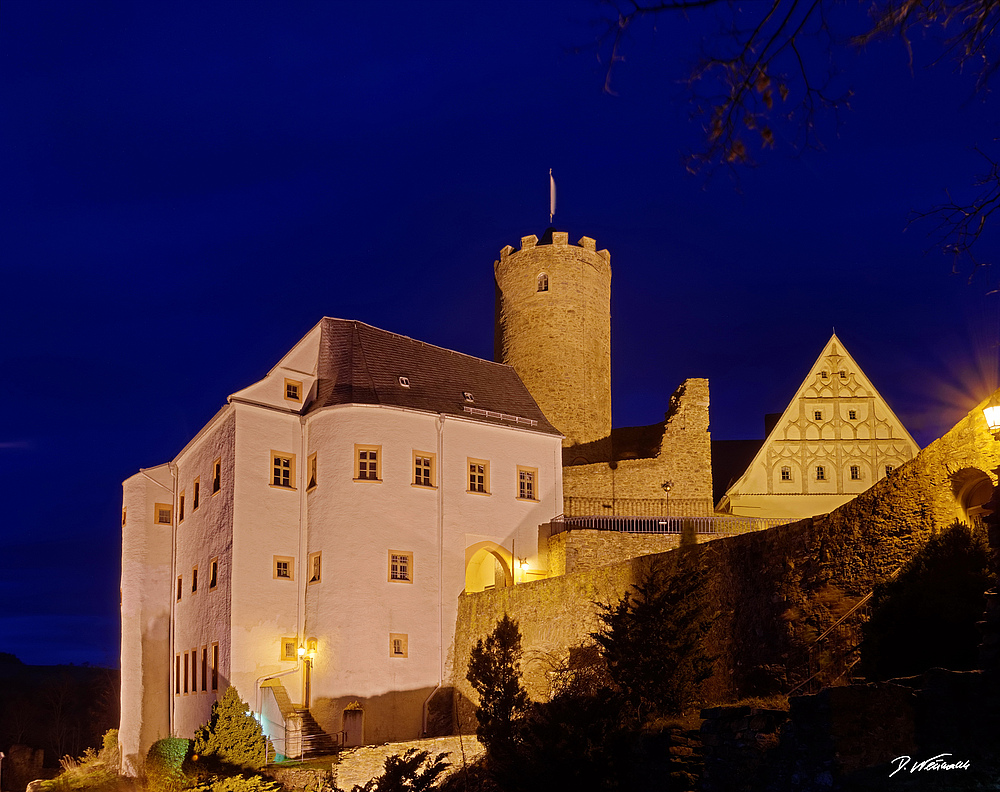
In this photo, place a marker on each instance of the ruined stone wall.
(684, 459)
(357, 766)
(774, 591)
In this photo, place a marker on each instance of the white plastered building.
(309, 545)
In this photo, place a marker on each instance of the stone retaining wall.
(360, 765)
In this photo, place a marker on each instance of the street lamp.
(992, 413)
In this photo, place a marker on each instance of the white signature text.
(938, 762)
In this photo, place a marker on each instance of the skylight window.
(404, 381)
(467, 396)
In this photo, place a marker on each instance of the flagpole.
(552, 196)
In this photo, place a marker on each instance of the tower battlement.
(560, 239)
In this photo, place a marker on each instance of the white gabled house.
(309, 544)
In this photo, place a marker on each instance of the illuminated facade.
(835, 439)
(337, 507)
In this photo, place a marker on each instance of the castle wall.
(774, 590)
(684, 459)
(559, 339)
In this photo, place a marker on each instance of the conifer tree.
(232, 735)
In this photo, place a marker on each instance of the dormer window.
(467, 396)
(404, 382)
(543, 282)
(823, 374)
(293, 390)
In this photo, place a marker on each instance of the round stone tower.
(553, 325)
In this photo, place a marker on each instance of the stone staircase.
(315, 741)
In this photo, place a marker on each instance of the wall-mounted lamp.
(667, 486)
(992, 413)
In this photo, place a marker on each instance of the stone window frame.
(484, 473)
(180, 587)
(431, 469)
(213, 576)
(194, 579)
(215, 665)
(311, 472)
(394, 576)
(786, 473)
(532, 473)
(361, 448)
(282, 461)
(542, 283)
(217, 476)
(196, 494)
(399, 645)
(177, 673)
(855, 472)
(315, 568)
(204, 668)
(284, 654)
(161, 509)
(821, 473)
(289, 568)
(180, 508)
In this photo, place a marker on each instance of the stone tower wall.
(559, 340)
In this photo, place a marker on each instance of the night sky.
(189, 187)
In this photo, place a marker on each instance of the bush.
(239, 783)
(232, 735)
(94, 770)
(164, 768)
(414, 771)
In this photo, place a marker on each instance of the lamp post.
(992, 414)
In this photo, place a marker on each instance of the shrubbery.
(232, 735)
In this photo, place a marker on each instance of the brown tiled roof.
(360, 364)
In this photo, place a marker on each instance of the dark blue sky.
(188, 187)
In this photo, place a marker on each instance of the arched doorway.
(487, 566)
(972, 489)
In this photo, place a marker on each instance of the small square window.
(217, 475)
(213, 573)
(786, 473)
(527, 478)
(289, 649)
(843, 374)
(315, 567)
(311, 467)
(180, 508)
(282, 470)
(293, 390)
(822, 374)
(194, 580)
(820, 473)
(196, 499)
(284, 568)
(855, 473)
(818, 415)
(479, 476)
(400, 567)
(164, 514)
(180, 587)
(398, 645)
(367, 460)
(889, 469)
(423, 469)
(852, 415)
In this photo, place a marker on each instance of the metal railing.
(575, 506)
(727, 524)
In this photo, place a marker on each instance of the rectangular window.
(526, 479)
(215, 666)
(163, 514)
(423, 469)
(180, 509)
(786, 473)
(204, 669)
(889, 469)
(217, 475)
(852, 415)
(398, 645)
(282, 470)
(123, 518)
(820, 473)
(311, 467)
(284, 568)
(194, 580)
(818, 415)
(180, 586)
(400, 567)
(479, 476)
(186, 671)
(315, 567)
(293, 390)
(843, 374)
(855, 473)
(196, 496)
(194, 670)
(366, 462)
(213, 573)
(289, 649)
(177, 675)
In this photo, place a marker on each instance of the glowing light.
(992, 413)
